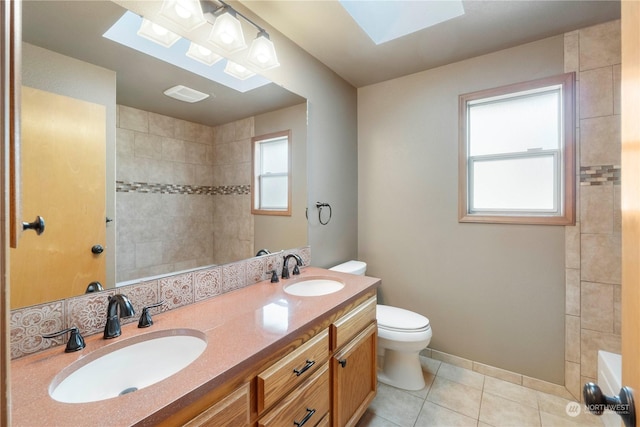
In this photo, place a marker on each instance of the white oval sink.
(128, 366)
(313, 287)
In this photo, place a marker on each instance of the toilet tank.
(352, 267)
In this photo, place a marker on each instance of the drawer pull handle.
(306, 418)
(342, 362)
(304, 369)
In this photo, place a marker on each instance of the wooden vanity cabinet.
(232, 411)
(353, 364)
(305, 406)
(292, 370)
(327, 381)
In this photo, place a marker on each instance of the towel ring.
(321, 205)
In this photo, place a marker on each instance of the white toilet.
(402, 334)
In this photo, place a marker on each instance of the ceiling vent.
(185, 94)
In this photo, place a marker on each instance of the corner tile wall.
(182, 194)
(593, 245)
(88, 312)
(233, 225)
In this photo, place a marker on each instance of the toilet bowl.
(402, 334)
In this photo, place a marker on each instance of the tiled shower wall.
(183, 194)
(593, 245)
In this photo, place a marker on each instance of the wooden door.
(63, 180)
(631, 196)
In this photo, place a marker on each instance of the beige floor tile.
(428, 381)
(455, 396)
(435, 415)
(498, 411)
(461, 375)
(514, 392)
(430, 365)
(549, 420)
(396, 405)
(557, 406)
(371, 420)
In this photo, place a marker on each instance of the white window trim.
(565, 157)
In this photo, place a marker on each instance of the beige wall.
(593, 245)
(50, 71)
(278, 232)
(493, 293)
(332, 159)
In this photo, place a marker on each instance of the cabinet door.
(354, 378)
(232, 411)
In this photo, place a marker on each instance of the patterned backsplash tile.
(88, 312)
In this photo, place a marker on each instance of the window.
(271, 189)
(516, 153)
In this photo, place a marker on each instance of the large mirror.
(176, 175)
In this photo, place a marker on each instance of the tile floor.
(456, 396)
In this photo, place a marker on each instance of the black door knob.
(37, 225)
(622, 405)
(97, 249)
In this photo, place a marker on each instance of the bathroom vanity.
(271, 359)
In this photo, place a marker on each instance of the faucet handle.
(145, 318)
(75, 343)
(274, 276)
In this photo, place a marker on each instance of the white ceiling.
(325, 30)
(321, 27)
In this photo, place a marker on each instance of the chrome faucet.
(112, 327)
(285, 267)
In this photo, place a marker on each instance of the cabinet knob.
(97, 249)
(342, 362)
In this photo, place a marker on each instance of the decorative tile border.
(88, 311)
(145, 187)
(600, 175)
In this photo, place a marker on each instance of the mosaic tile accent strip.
(600, 175)
(145, 187)
(88, 312)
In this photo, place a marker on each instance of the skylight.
(124, 32)
(384, 21)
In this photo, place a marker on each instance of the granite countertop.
(240, 327)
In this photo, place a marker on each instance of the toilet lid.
(400, 319)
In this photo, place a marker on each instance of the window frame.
(256, 175)
(566, 153)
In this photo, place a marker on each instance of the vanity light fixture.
(202, 54)
(157, 34)
(185, 13)
(238, 71)
(262, 53)
(226, 33)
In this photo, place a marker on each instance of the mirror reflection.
(177, 175)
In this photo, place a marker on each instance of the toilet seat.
(395, 319)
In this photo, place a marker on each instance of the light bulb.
(226, 38)
(182, 11)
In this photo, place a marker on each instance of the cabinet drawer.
(306, 406)
(292, 370)
(349, 325)
(232, 411)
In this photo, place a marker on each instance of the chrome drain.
(128, 390)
